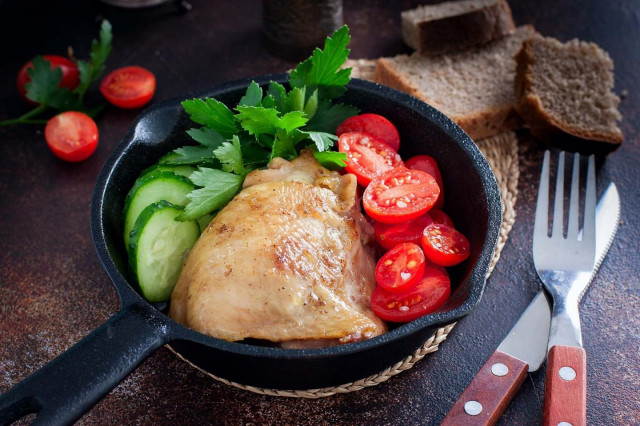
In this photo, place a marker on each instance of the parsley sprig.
(44, 85)
(267, 122)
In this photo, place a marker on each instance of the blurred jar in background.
(293, 28)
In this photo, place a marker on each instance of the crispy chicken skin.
(284, 261)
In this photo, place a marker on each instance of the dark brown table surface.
(53, 290)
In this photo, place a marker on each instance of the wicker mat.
(501, 152)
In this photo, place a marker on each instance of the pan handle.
(65, 388)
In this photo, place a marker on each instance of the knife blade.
(525, 347)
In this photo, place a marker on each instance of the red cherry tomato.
(390, 235)
(400, 194)
(439, 216)
(70, 74)
(367, 156)
(128, 87)
(72, 136)
(431, 292)
(374, 125)
(400, 268)
(444, 245)
(428, 164)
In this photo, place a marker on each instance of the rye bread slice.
(455, 25)
(564, 93)
(361, 68)
(473, 87)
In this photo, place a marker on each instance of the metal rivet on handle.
(564, 424)
(499, 369)
(567, 373)
(472, 408)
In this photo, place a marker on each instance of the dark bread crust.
(459, 32)
(548, 128)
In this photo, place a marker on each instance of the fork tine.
(574, 202)
(540, 225)
(558, 209)
(589, 226)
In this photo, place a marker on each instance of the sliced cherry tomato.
(428, 164)
(70, 74)
(400, 268)
(390, 235)
(444, 245)
(129, 87)
(72, 136)
(374, 125)
(400, 194)
(367, 156)
(431, 292)
(439, 216)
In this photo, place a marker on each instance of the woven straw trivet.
(501, 152)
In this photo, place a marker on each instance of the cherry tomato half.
(444, 245)
(390, 235)
(374, 125)
(438, 216)
(70, 74)
(400, 194)
(72, 136)
(431, 292)
(128, 87)
(367, 156)
(400, 268)
(428, 164)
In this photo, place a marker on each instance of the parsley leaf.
(207, 137)
(322, 70)
(90, 71)
(260, 120)
(323, 141)
(332, 160)
(43, 87)
(329, 116)
(284, 146)
(253, 97)
(230, 155)
(218, 188)
(213, 114)
(279, 94)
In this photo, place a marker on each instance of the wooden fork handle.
(565, 395)
(489, 393)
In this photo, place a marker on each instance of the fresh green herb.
(43, 87)
(266, 124)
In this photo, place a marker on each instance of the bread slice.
(455, 25)
(564, 93)
(473, 87)
(361, 68)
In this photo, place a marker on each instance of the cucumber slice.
(157, 249)
(182, 170)
(151, 188)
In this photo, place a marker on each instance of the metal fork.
(564, 264)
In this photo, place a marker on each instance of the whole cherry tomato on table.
(374, 125)
(70, 74)
(129, 87)
(72, 136)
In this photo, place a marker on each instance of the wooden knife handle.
(565, 393)
(491, 390)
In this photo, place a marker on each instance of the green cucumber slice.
(158, 247)
(151, 188)
(182, 170)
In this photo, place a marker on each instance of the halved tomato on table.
(367, 156)
(129, 87)
(431, 292)
(400, 268)
(444, 245)
(400, 194)
(428, 164)
(374, 125)
(72, 136)
(389, 235)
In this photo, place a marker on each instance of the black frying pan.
(70, 384)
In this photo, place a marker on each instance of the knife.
(525, 347)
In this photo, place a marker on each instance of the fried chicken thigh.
(286, 261)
